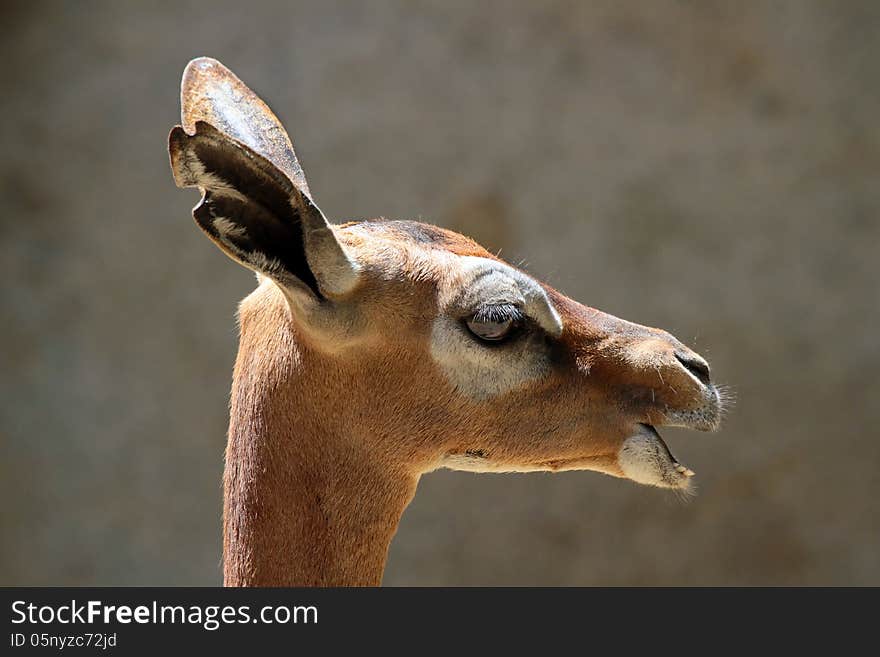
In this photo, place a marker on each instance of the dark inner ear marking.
(250, 209)
(262, 233)
(266, 190)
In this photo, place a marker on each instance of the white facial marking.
(644, 459)
(469, 463)
(479, 370)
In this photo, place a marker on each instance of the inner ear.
(249, 208)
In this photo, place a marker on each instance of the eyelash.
(500, 313)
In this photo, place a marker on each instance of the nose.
(643, 357)
(694, 364)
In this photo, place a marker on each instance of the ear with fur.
(212, 93)
(255, 204)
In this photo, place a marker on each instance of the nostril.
(695, 365)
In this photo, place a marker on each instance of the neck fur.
(305, 502)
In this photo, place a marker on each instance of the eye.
(495, 323)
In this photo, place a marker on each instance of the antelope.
(372, 352)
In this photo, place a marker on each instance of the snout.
(671, 385)
(653, 380)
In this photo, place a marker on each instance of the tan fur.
(341, 402)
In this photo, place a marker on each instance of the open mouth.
(687, 472)
(645, 458)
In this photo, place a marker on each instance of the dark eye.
(495, 323)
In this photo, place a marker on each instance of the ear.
(255, 201)
(212, 93)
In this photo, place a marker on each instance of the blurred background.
(711, 168)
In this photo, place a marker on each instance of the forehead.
(413, 233)
(469, 276)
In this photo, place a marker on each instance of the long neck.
(304, 503)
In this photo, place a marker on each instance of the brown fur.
(338, 407)
(325, 449)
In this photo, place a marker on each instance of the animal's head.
(446, 355)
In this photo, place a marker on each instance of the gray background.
(707, 167)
